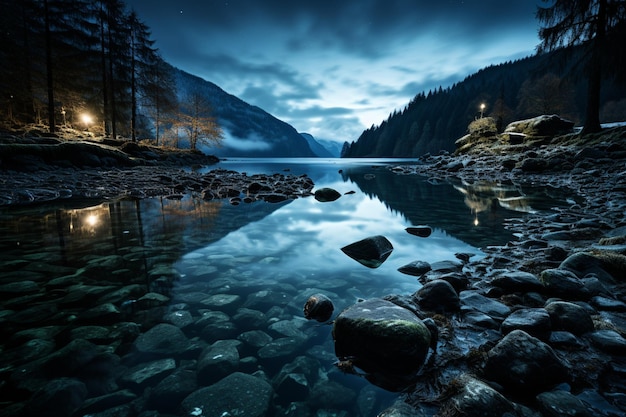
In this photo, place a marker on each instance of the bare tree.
(197, 121)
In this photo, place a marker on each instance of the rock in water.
(326, 194)
(318, 307)
(421, 231)
(371, 251)
(380, 337)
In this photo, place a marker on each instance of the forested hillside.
(511, 91)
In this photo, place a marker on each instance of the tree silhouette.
(588, 23)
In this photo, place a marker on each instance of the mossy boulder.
(381, 337)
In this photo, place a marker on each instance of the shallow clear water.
(79, 270)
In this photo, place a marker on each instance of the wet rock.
(446, 267)
(569, 317)
(255, 338)
(561, 404)
(217, 361)
(437, 296)
(19, 288)
(279, 348)
(331, 394)
(163, 339)
(477, 318)
(236, 395)
(476, 398)
(565, 340)
(608, 304)
(474, 300)
(289, 328)
(180, 318)
(416, 268)
(379, 336)
(564, 284)
(421, 231)
(59, 398)
(609, 341)
(534, 321)
(318, 307)
(106, 402)
(169, 393)
(606, 267)
(371, 251)
(326, 195)
(146, 374)
(517, 281)
(524, 364)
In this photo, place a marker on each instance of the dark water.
(78, 271)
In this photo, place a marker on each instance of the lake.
(83, 283)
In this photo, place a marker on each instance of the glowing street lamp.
(63, 113)
(86, 120)
(482, 109)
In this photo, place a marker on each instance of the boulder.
(371, 251)
(318, 307)
(524, 364)
(517, 281)
(421, 231)
(438, 296)
(565, 284)
(609, 341)
(569, 317)
(472, 300)
(238, 394)
(546, 125)
(534, 321)
(609, 268)
(416, 268)
(559, 403)
(163, 339)
(218, 360)
(476, 398)
(59, 398)
(381, 337)
(326, 194)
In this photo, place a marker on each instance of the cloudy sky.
(334, 67)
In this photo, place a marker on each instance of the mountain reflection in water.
(85, 268)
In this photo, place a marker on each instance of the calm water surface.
(81, 271)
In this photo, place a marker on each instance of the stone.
(559, 403)
(416, 268)
(146, 374)
(475, 398)
(569, 317)
(479, 302)
(326, 195)
(163, 339)
(371, 251)
(437, 296)
(217, 361)
(281, 347)
(169, 393)
(534, 321)
(545, 125)
(517, 281)
(524, 365)
(477, 318)
(608, 268)
(238, 394)
(608, 304)
(318, 307)
(255, 338)
(106, 402)
(421, 231)
(609, 341)
(59, 398)
(381, 337)
(561, 339)
(565, 284)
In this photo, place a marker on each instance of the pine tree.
(588, 23)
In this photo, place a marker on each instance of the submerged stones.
(371, 251)
(381, 338)
(318, 307)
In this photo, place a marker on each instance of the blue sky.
(333, 68)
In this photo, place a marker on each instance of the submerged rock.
(371, 251)
(318, 307)
(236, 395)
(476, 398)
(381, 337)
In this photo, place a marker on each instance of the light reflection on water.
(271, 257)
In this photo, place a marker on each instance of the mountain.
(248, 130)
(536, 85)
(317, 148)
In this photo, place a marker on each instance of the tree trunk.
(50, 78)
(592, 117)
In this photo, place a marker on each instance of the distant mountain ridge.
(249, 131)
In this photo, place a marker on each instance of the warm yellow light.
(92, 220)
(482, 106)
(86, 118)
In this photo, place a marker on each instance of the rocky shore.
(538, 326)
(43, 169)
